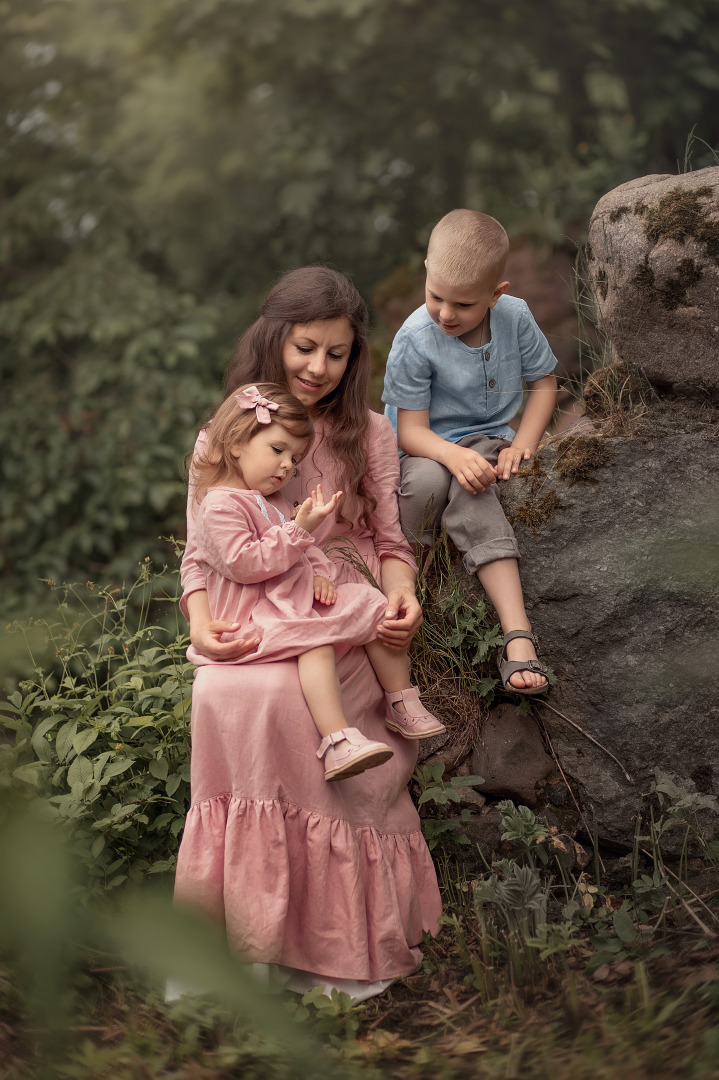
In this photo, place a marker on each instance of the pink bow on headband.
(252, 399)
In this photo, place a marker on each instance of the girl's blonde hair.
(232, 425)
(306, 295)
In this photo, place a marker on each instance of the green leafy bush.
(103, 735)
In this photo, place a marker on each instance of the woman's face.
(315, 357)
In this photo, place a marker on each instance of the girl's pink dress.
(260, 567)
(334, 879)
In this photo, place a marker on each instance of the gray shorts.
(429, 496)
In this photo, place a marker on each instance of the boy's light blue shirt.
(467, 391)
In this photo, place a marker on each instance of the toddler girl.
(265, 573)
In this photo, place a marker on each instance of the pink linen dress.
(333, 879)
(260, 567)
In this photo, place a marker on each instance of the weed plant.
(102, 734)
(454, 649)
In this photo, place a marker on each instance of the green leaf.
(158, 769)
(84, 739)
(466, 781)
(172, 784)
(45, 725)
(623, 925)
(29, 774)
(80, 771)
(65, 736)
(44, 750)
(116, 767)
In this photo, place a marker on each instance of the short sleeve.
(408, 376)
(537, 357)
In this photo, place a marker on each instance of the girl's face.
(267, 462)
(315, 357)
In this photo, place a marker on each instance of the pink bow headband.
(252, 399)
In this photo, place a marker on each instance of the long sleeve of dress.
(192, 577)
(227, 542)
(382, 479)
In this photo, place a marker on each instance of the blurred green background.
(162, 162)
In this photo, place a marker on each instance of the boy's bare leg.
(317, 670)
(391, 668)
(500, 581)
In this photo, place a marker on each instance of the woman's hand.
(402, 619)
(205, 636)
(325, 591)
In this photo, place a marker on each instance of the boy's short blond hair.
(467, 247)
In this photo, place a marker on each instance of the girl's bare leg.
(320, 685)
(405, 712)
(390, 667)
(349, 753)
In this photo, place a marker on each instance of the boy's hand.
(314, 510)
(509, 460)
(325, 591)
(472, 470)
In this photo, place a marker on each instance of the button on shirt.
(467, 391)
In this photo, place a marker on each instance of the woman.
(331, 881)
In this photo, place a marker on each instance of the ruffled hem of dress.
(307, 891)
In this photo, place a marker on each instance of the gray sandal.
(507, 668)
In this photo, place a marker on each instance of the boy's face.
(458, 310)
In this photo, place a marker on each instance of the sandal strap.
(330, 740)
(513, 634)
(511, 667)
(411, 701)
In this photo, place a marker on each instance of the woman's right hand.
(205, 636)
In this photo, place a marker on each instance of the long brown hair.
(316, 294)
(232, 425)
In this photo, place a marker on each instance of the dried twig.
(574, 797)
(683, 884)
(586, 735)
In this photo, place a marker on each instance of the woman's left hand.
(402, 620)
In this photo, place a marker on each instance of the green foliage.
(456, 642)
(52, 952)
(529, 838)
(335, 1016)
(518, 894)
(520, 915)
(102, 356)
(103, 735)
(434, 788)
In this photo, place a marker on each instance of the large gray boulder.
(620, 565)
(653, 266)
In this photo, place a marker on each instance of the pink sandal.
(349, 753)
(417, 722)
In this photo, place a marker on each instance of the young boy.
(454, 376)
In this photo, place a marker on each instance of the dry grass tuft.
(453, 652)
(614, 396)
(535, 511)
(579, 457)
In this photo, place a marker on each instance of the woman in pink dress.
(330, 883)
